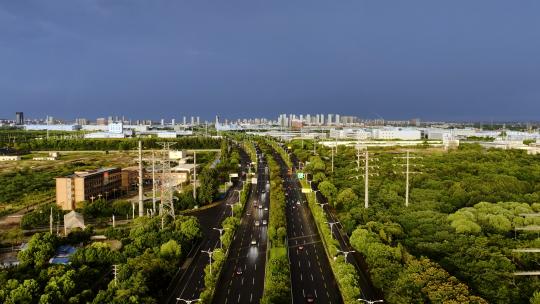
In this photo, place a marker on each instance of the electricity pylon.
(408, 172)
(167, 187)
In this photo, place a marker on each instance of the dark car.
(239, 270)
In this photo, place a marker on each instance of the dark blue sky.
(456, 60)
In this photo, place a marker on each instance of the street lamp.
(209, 256)
(220, 235)
(332, 227)
(232, 208)
(315, 194)
(322, 205)
(345, 253)
(371, 301)
(239, 191)
(187, 301)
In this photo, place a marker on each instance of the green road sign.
(300, 175)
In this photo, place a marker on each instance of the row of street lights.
(211, 252)
(344, 252)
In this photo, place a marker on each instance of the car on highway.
(265, 208)
(257, 223)
(298, 202)
(300, 248)
(310, 298)
(265, 222)
(239, 271)
(253, 242)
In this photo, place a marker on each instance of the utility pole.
(367, 174)
(408, 172)
(154, 181)
(302, 136)
(332, 159)
(115, 271)
(195, 175)
(50, 222)
(141, 203)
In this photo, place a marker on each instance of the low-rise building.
(9, 157)
(52, 127)
(397, 133)
(86, 185)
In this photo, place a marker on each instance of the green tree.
(328, 190)
(170, 250)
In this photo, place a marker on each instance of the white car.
(265, 222)
(253, 242)
(260, 206)
(265, 208)
(257, 223)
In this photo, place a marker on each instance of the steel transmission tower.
(167, 185)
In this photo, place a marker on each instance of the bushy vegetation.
(81, 144)
(148, 258)
(277, 287)
(459, 226)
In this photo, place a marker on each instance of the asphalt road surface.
(188, 283)
(368, 292)
(242, 278)
(311, 275)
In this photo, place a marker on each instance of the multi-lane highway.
(242, 278)
(189, 281)
(367, 290)
(311, 275)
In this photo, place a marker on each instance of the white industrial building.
(359, 134)
(9, 157)
(52, 127)
(114, 130)
(397, 133)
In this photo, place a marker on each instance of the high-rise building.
(19, 118)
(329, 120)
(338, 121)
(81, 121)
